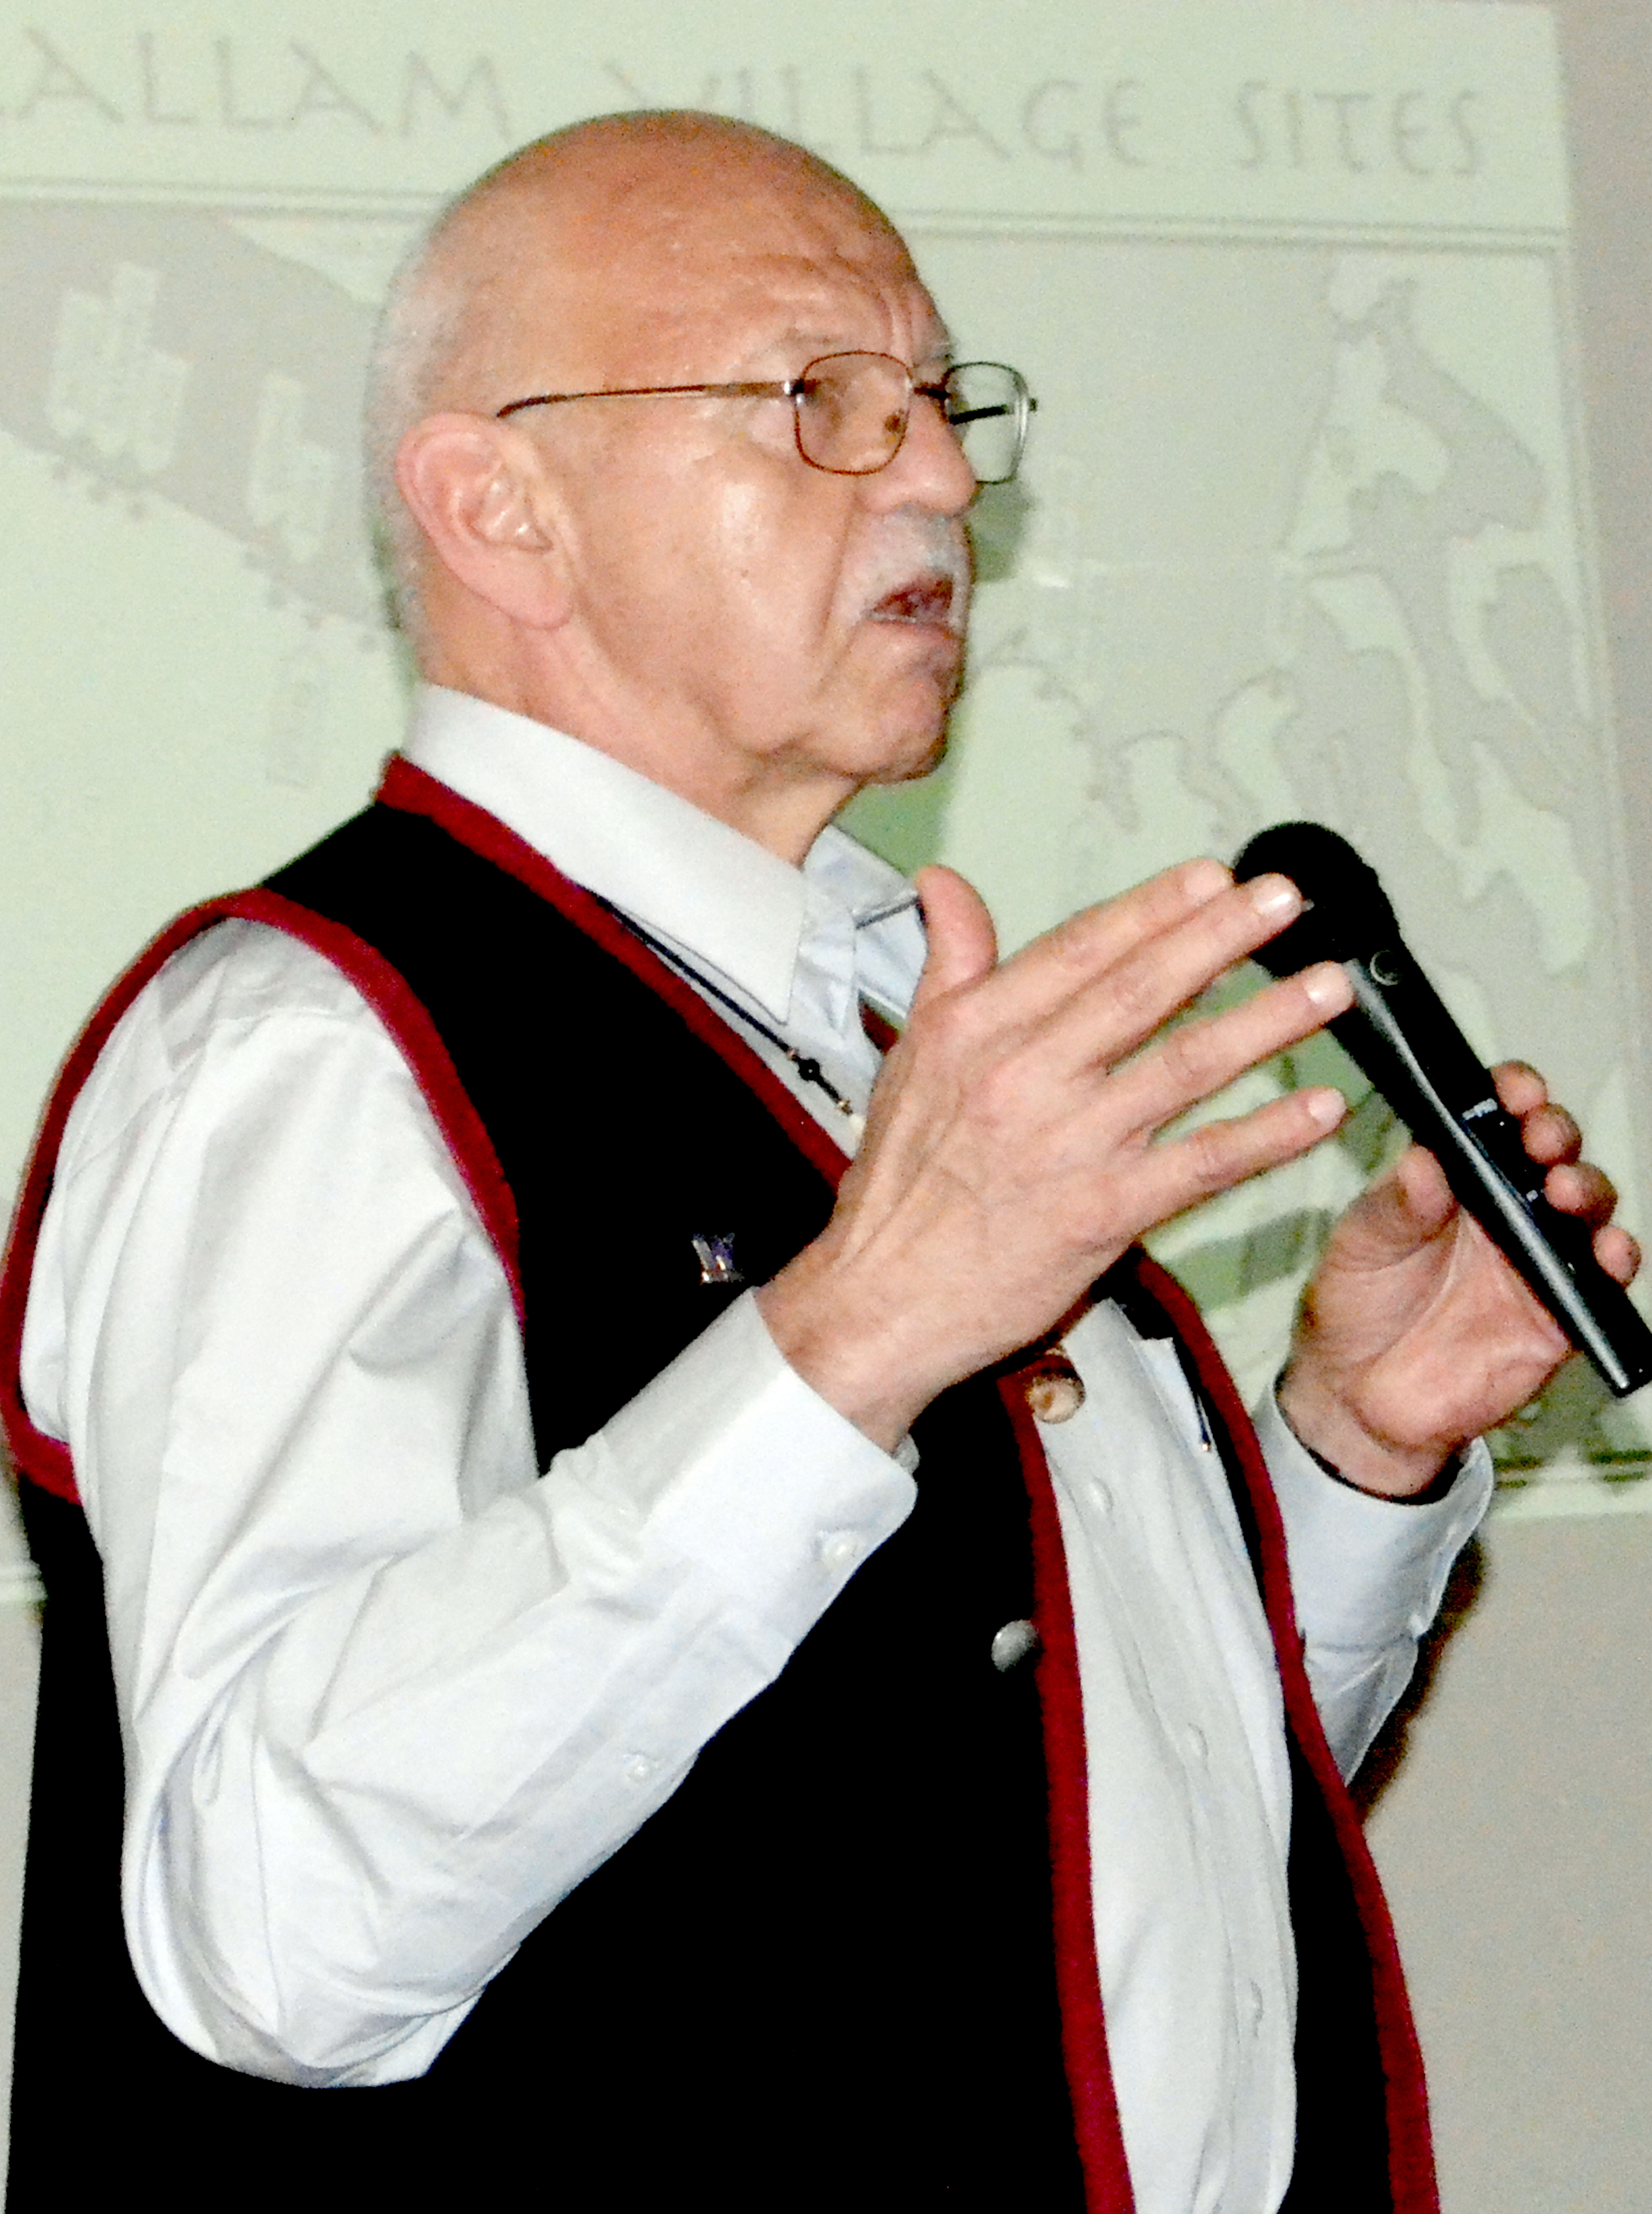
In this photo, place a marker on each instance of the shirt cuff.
(1366, 1572)
(735, 1463)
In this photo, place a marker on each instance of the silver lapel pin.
(716, 1258)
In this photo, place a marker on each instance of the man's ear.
(476, 489)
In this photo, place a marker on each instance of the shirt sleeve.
(1367, 1574)
(388, 1692)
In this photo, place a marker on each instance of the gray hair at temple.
(414, 347)
(442, 298)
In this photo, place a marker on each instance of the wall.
(1513, 1837)
(1310, 526)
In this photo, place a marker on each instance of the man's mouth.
(923, 600)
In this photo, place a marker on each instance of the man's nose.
(930, 470)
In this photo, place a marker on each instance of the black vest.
(822, 1975)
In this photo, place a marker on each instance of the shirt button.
(640, 1768)
(1013, 1642)
(839, 1549)
(1104, 1496)
(1253, 1992)
(1198, 1744)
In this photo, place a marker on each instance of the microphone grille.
(1349, 916)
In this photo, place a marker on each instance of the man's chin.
(913, 756)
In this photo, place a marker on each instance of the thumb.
(1410, 1206)
(963, 943)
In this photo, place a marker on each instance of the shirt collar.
(729, 904)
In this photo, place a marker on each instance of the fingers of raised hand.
(1215, 1156)
(1198, 1058)
(1096, 937)
(1095, 1016)
(1118, 970)
(1552, 1137)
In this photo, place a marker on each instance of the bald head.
(595, 257)
(663, 572)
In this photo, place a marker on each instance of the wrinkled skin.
(670, 582)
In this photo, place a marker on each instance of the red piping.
(413, 791)
(1084, 2033)
(1410, 2153)
(46, 1461)
(1078, 1974)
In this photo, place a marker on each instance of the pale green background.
(1306, 528)
(1302, 531)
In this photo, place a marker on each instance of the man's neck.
(778, 805)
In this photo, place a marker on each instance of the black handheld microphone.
(1400, 1033)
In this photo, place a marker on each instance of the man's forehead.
(813, 299)
(815, 256)
(636, 258)
(736, 300)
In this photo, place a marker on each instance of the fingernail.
(1326, 1107)
(1275, 898)
(1328, 986)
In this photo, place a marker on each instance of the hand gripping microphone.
(1400, 1033)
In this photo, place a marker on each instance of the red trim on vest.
(46, 1460)
(1410, 2152)
(412, 791)
(1078, 1973)
(878, 1028)
(388, 994)
(1084, 2033)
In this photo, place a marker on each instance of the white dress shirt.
(388, 1692)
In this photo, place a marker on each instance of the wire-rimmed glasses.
(850, 410)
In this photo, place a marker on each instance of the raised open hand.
(1009, 1154)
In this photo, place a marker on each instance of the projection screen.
(1303, 531)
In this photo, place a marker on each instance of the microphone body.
(1400, 1033)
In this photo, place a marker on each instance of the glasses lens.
(987, 405)
(851, 410)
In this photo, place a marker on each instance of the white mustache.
(928, 563)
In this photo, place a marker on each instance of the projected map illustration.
(1302, 531)
(1345, 585)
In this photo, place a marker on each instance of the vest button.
(1053, 1387)
(1013, 1642)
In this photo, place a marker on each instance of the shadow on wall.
(1576, 1418)
(1383, 1763)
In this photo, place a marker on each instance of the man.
(497, 1136)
